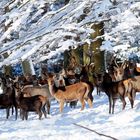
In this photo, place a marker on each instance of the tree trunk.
(27, 67)
(92, 52)
(7, 69)
(7, 10)
(98, 54)
(73, 57)
(88, 54)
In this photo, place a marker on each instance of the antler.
(123, 65)
(113, 59)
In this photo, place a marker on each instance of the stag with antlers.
(116, 84)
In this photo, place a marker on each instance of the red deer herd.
(34, 94)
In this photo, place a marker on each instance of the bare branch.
(100, 134)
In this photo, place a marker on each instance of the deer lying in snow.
(79, 91)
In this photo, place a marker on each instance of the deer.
(134, 68)
(75, 75)
(115, 84)
(78, 91)
(128, 73)
(30, 104)
(116, 69)
(68, 77)
(123, 70)
(115, 90)
(29, 91)
(131, 86)
(97, 81)
(7, 98)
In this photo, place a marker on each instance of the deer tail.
(89, 89)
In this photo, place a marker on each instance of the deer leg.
(110, 103)
(26, 115)
(16, 110)
(75, 103)
(44, 111)
(71, 104)
(131, 101)
(48, 107)
(133, 94)
(22, 114)
(12, 110)
(82, 103)
(89, 102)
(131, 97)
(113, 105)
(123, 101)
(39, 113)
(98, 91)
(61, 106)
(7, 112)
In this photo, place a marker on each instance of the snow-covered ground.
(42, 39)
(123, 125)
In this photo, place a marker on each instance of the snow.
(48, 34)
(37, 30)
(121, 47)
(123, 125)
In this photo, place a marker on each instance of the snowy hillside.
(39, 29)
(123, 125)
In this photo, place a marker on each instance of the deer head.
(119, 71)
(116, 70)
